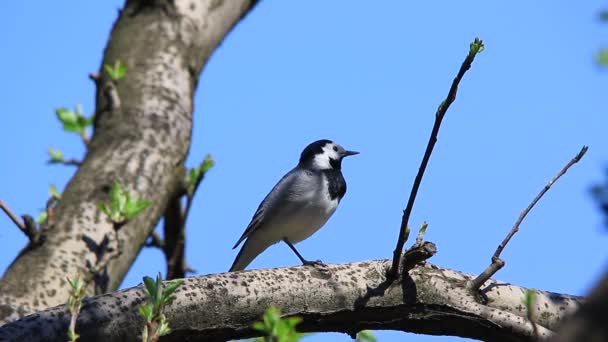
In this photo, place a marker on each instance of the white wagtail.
(300, 203)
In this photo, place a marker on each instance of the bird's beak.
(349, 153)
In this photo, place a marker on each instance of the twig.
(27, 227)
(155, 241)
(14, 218)
(109, 90)
(498, 263)
(50, 210)
(74, 162)
(84, 136)
(475, 48)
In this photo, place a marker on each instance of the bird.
(298, 205)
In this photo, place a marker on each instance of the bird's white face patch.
(330, 151)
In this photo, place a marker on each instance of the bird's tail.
(252, 247)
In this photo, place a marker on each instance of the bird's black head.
(323, 155)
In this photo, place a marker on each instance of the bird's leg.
(304, 261)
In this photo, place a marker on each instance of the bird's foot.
(313, 263)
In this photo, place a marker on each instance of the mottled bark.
(141, 138)
(343, 298)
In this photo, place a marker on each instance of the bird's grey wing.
(270, 204)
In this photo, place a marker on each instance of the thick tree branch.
(142, 144)
(476, 47)
(343, 298)
(497, 263)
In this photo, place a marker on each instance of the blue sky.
(370, 78)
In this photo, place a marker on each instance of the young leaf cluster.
(123, 206)
(77, 287)
(55, 194)
(158, 297)
(116, 71)
(73, 121)
(277, 329)
(196, 174)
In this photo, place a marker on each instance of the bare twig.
(475, 48)
(155, 241)
(85, 138)
(109, 90)
(13, 218)
(50, 210)
(498, 263)
(75, 162)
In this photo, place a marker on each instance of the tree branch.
(342, 298)
(15, 220)
(498, 263)
(475, 48)
(142, 144)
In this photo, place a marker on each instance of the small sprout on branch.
(421, 232)
(366, 336)
(74, 121)
(117, 71)
(77, 287)
(42, 218)
(123, 206)
(529, 301)
(56, 156)
(158, 297)
(54, 193)
(602, 57)
(476, 46)
(276, 328)
(196, 174)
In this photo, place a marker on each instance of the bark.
(343, 298)
(142, 135)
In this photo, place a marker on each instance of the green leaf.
(529, 299)
(476, 46)
(198, 172)
(133, 209)
(42, 217)
(73, 127)
(56, 156)
(259, 326)
(146, 312)
(53, 192)
(163, 328)
(207, 164)
(117, 71)
(158, 294)
(66, 116)
(172, 286)
(366, 335)
(149, 286)
(602, 57)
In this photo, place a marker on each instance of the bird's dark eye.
(335, 148)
